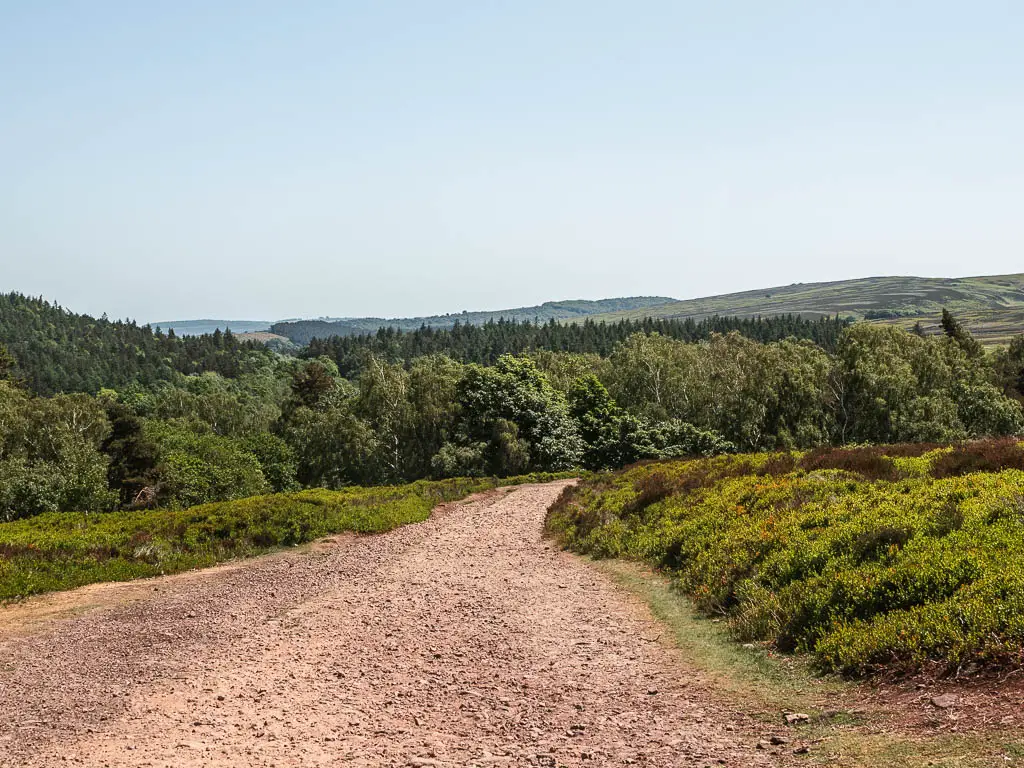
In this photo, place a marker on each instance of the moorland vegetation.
(873, 558)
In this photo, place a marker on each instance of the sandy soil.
(465, 640)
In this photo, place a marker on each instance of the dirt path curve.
(465, 640)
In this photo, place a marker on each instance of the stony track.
(465, 640)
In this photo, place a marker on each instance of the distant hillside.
(302, 331)
(200, 327)
(56, 350)
(991, 307)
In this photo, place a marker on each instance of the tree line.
(485, 343)
(60, 351)
(253, 421)
(301, 332)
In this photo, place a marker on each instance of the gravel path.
(465, 640)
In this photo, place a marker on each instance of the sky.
(268, 160)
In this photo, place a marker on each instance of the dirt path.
(465, 640)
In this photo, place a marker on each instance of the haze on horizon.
(263, 161)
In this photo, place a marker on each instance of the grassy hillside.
(302, 331)
(882, 558)
(991, 307)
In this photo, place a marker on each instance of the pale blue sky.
(270, 159)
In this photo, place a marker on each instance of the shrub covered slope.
(63, 550)
(869, 558)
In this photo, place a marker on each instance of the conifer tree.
(955, 330)
(7, 363)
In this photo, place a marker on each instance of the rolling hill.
(200, 327)
(302, 331)
(991, 307)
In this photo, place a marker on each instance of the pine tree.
(7, 363)
(954, 330)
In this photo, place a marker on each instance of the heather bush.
(862, 557)
(980, 456)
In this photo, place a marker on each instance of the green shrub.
(62, 550)
(861, 557)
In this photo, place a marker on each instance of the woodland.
(99, 415)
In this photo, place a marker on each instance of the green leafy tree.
(277, 460)
(509, 454)
(1008, 367)
(454, 460)
(898, 387)
(384, 404)
(199, 466)
(613, 438)
(432, 394)
(515, 391)
(28, 488)
(757, 396)
(50, 454)
(333, 447)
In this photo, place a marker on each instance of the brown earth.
(465, 640)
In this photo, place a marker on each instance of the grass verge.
(62, 551)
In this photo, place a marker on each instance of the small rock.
(778, 740)
(793, 718)
(944, 701)
(763, 745)
(803, 749)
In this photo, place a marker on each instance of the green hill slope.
(992, 307)
(302, 331)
